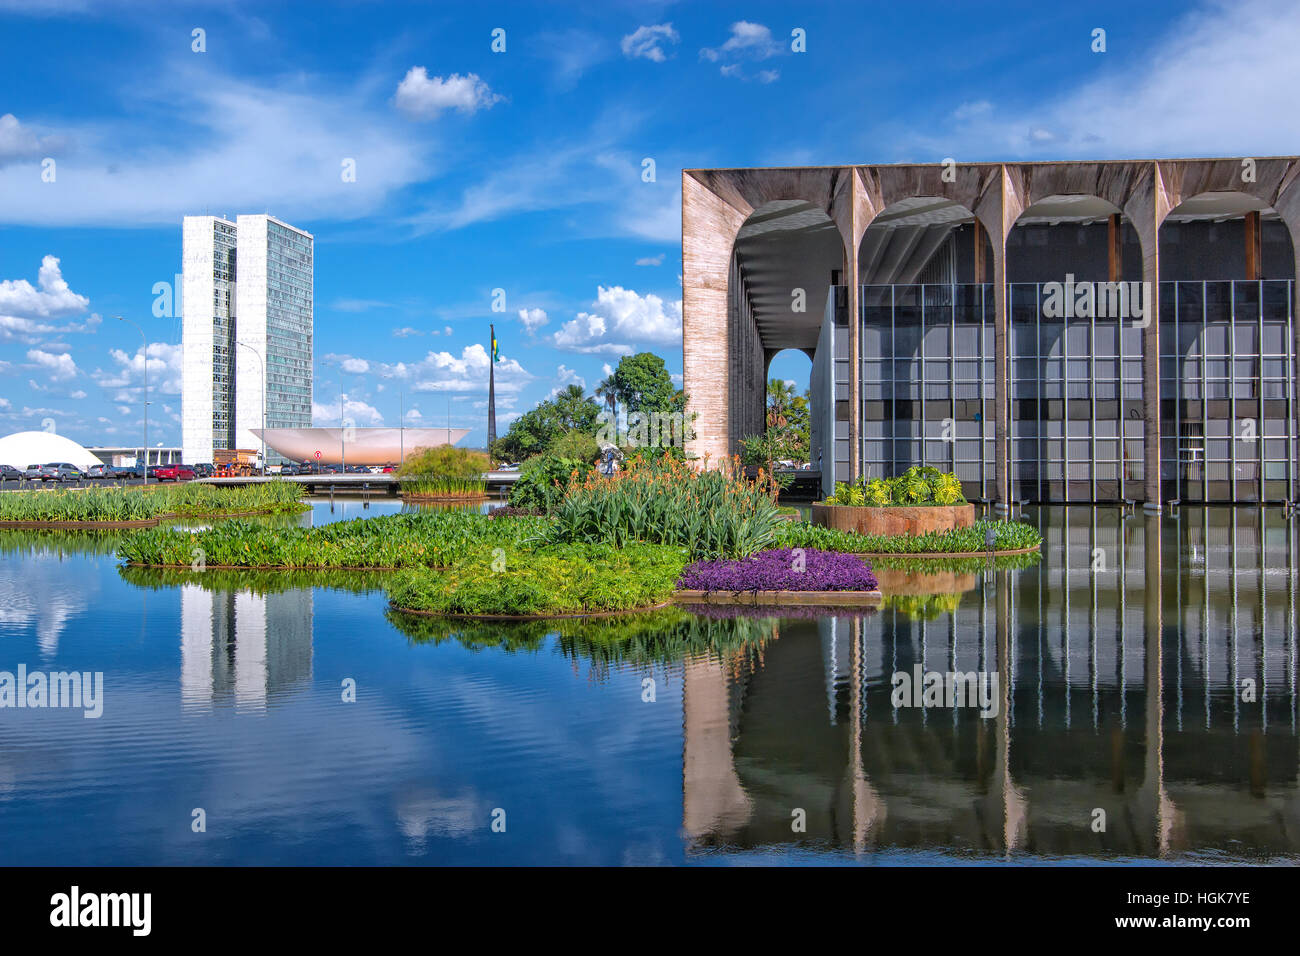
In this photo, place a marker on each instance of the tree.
(539, 427)
(642, 384)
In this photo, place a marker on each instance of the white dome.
(42, 448)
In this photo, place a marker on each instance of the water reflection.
(1168, 706)
(1145, 668)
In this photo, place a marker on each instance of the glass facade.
(1075, 388)
(927, 381)
(1226, 369)
(288, 327)
(223, 335)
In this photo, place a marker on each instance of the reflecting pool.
(1140, 705)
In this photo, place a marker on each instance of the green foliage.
(641, 383)
(533, 432)
(444, 461)
(556, 579)
(575, 445)
(919, 485)
(543, 481)
(713, 513)
(189, 500)
(1008, 536)
(420, 539)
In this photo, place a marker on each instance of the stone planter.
(894, 519)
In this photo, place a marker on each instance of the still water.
(1145, 675)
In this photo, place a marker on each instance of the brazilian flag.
(496, 356)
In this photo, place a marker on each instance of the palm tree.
(780, 394)
(608, 391)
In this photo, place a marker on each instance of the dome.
(42, 448)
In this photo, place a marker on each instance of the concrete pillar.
(1001, 378)
(709, 228)
(855, 367)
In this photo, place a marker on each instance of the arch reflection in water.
(1123, 689)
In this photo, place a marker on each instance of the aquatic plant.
(712, 512)
(145, 503)
(781, 569)
(1007, 536)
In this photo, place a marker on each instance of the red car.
(174, 473)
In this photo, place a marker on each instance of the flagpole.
(492, 392)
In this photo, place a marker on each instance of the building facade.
(1051, 332)
(247, 359)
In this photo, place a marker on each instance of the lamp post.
(145, 352)
(262, 364)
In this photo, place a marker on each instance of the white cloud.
(533, 319)
(421, 96)
(354, 411)
(647, 41)
(446, 330)
(407, 331)
(567, 375)
(24, 306)
(355, 366)
(623, 316)
(78, 394)
(1182, 97)
(164, 371)
(60, 367)
(651, 260)
(233, 153)
(19, 143)
(357, 305)
(445, 372)
(751, 41)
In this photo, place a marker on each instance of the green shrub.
(444, 461)
(713, 513)
(544, 480)
(919, 485)
(576, 445)
(556, 579)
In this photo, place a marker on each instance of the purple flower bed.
(776, 571)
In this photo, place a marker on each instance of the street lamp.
(262, 364)
(145, 341)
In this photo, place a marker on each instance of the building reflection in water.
(243, 647)
(1159, 688)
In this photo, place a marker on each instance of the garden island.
(569, 541)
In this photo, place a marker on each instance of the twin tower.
(246, 338)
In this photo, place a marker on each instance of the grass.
(713, 513)
(1008, 536)
(552, 579)
(148, 503)
(443, 486)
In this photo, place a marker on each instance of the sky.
(535, 185)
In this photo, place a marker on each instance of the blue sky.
(521, 170)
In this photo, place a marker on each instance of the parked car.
(60, 471)
(388, 470)
(331, 469)
(32, 473)
(99, 471)
(205, 469)
(10, 473)
(173, 472)
(358, 470)
(125, 472)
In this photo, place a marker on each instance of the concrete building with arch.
(1050, 331)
